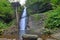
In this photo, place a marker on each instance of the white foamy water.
(22, 2)
(23, 19)
(23, 23)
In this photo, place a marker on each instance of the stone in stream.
(29, 37)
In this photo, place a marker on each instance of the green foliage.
(2, 25)
(6, 13)
(53, 19)
(6, 10)
(38, 6)
(5, 7)
(5, 25)
(47, 31)
(56, 2)
(30, 2)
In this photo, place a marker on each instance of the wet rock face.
(36, 26)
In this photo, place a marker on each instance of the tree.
(6, 10)
(6, 14)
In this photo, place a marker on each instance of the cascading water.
(23, 20)
(23, 23)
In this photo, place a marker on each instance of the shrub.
(6, 14)
(6, 10)
(56, 2)
(53, 19)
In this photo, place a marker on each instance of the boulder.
(29, 37)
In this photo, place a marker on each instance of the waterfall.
(23, 19)
(23, 23)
